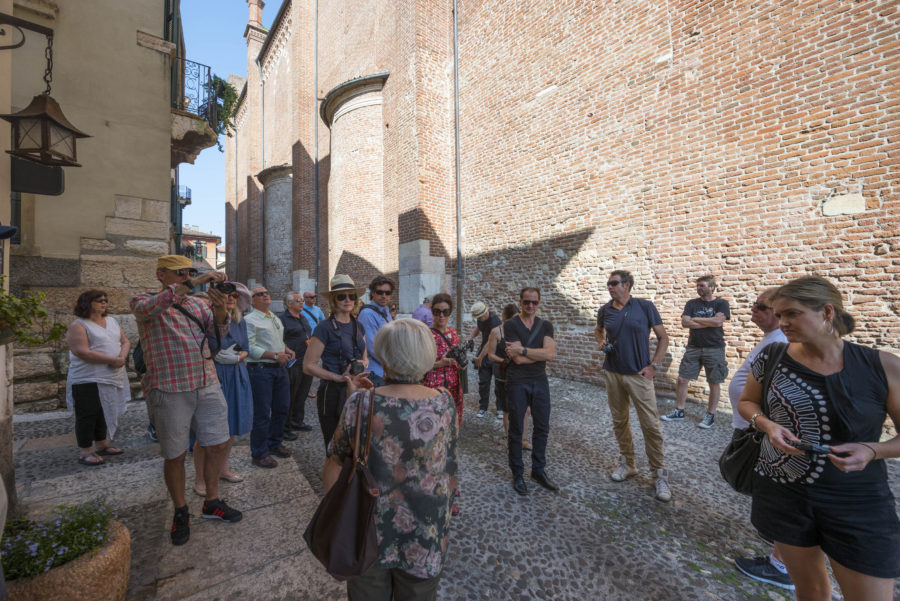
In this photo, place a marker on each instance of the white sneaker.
(662, 486)
(481, 413)
(500, 415)
(623, 471)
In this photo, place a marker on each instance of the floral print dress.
(448, 377)
(413, 458)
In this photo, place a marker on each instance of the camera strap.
(615, 339)
(537, 327)
(337, 329)
(203, 329)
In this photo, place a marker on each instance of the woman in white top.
(97, 385)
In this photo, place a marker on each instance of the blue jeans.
(271, 388)
(519, 396)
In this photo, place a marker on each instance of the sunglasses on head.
(383, 292)
(263, 293)
(343, 296)
(439, 312)
(528, 301)
(760, 307)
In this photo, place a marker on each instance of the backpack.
(137, 357)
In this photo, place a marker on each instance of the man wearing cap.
(269, 381)
(181, 385)
(373, 316)
(296, 336)
(485, 322)
(423, 312)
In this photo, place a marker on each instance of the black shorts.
(862, 535)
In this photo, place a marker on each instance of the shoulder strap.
(780, 348)
(372, 307)
(311, 314)
(441, 334)
(538, 326)
(363, 457)
(191, 316)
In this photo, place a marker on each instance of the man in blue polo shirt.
(623, 332)
(373, 316)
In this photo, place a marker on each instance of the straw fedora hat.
(343, 283)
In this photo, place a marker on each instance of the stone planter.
(101, 575)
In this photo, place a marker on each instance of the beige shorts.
(174, 414)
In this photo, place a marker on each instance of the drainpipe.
(237, 272)
(459, 250)
(262, 154)
(316, 134)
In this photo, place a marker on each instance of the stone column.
(420, 274)
(277, 263)
(356, 221)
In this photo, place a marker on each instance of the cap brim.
(8, 231)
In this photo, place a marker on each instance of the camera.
(224, 287)
(458, 353)
(810, 449)
(355, 365)
(609, 348)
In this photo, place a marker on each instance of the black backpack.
(137, 356)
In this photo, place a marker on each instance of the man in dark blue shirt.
(623, 332)
(703, 316)
(296, 336)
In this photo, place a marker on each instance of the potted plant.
(81, 553)
(20, 314)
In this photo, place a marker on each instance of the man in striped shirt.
(181, 386)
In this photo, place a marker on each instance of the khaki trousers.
(637, 390)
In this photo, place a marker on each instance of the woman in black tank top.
(820, 484)
(497, 353)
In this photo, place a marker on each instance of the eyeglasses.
(264, 293)
(101, 300)
(309, 296)
(528, 301)
(613, 283)
(383, 292)
(439, 312)
(343, 297)
(760, 307)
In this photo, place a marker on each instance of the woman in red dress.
(445, 371)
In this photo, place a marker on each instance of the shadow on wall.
(303, 244)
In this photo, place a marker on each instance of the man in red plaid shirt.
(181, 386)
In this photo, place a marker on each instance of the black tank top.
(847, 406)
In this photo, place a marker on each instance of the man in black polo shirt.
(623, 332)
(296, 336)
(485, 322)
(529, 344)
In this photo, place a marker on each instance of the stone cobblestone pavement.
(596, 539)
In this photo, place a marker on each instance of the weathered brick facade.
(755, 141)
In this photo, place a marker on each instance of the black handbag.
(341, 533)
(740, 456)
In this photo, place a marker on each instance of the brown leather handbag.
(341, 533)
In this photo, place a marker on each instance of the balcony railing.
(193, 90)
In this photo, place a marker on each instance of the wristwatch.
(524, 352)
(188, 283)
(655, 365)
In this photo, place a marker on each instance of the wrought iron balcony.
(193, 90)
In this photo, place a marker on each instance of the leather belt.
(261, 364)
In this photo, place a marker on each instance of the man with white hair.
(296, 336)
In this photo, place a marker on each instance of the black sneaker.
(760, 568)
(181, 526)
(151, 433)
(677, 415)
(218, 510)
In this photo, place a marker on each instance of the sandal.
(107, 451)
(83, 460)
(525, 445)
(200, 491)
(233, 478)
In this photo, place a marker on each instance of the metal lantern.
(41, 133)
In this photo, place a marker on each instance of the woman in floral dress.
(413, 458)
(445, 371)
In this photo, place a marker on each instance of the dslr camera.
(355, 365)
(458, 353)
(224, 287)
(609, 348)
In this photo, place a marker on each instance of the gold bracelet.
(753, 420)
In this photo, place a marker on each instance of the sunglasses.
(188, 271)
(439, 312)
(235, 295)
(383, 292)
(101, 300)
(343, 297)
(255, 294)
(613, 283)
(530, 302)
(760, 306)
(310, 297)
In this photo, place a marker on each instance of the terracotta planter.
(101, 575)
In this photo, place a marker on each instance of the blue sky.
(213, 35)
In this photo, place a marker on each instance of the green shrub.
(30, 548)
